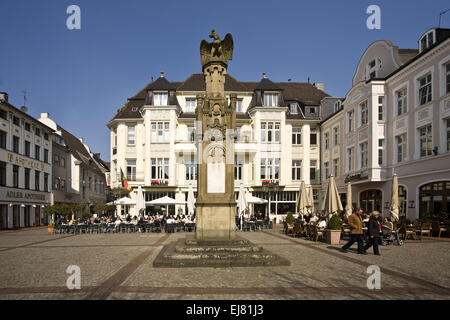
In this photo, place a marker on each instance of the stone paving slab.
(119, 266)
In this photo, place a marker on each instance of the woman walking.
(374, 232)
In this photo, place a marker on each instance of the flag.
(124, 180)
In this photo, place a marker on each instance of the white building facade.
(395, 120)
(277, 141)
(25, 167)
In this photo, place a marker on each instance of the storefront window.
(434, 200)
(370, 200)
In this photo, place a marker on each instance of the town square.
(184, 174)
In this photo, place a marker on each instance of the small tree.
(290, 218)
(334, 223)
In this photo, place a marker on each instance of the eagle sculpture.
(218, 50)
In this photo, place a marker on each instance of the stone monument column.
(216, 122)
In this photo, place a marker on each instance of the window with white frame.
(350, 121)
(401, 101)
(313, 170)
(293, 108)
(191, 103)
(337, 106)
(160, 169)
(326, 138)
(270, 168)
(336, 167)
(297, 135)
(239, 105)
(160, 131)
(191, 169)
(160, 99)
(364, 154)
(425, 94)
(380, 108)
(372, 68)
(270, 132)
(313, 136)
(426, 141)
(131, 170)
(364, 112)
(401, 147)
(131, 136)
(427, 41)
(296, 170)
(270, 99)
(336, 136)
(326, 171)
(238, 165)
(380, 152)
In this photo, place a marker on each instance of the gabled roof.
(266, 84)
(78, 150)
(303, 93)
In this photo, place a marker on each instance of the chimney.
(320, 85)
(45, 115)
(81, 139)
(162, 74)
(4, 96)
(264, 75)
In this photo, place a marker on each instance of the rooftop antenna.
(24, 97)
(440, 15)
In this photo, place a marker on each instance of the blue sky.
(81, 77)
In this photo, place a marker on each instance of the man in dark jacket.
(374, 232)
(356, 233)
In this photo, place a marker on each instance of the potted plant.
(51, 228)
(289, 221)
(333, 230)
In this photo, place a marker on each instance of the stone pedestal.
(215, 222)
(191, 252)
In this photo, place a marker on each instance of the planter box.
(332, 236)
(51, 230)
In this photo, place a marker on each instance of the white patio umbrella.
(164, 201)
(331, 202)
(310, 197)
(140, 202)
(242, 202)
(394, 208)
(125, 201)
(252, 199)
(191, 200)
(348, 205)
(302, 199)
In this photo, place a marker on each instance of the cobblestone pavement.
(119, 266)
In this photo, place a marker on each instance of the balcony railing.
(160, 182)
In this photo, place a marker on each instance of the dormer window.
(239, 105)
(293, 108)
(312, 110)
(190, 104)
(426, 41)
(160, 99)
(372, 68)
(270, 99)
(337, 106)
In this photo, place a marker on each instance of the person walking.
(374, 232)
(356, 232)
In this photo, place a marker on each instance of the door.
(37, 216)
(16, 217)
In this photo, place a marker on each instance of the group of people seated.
(312, 218)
